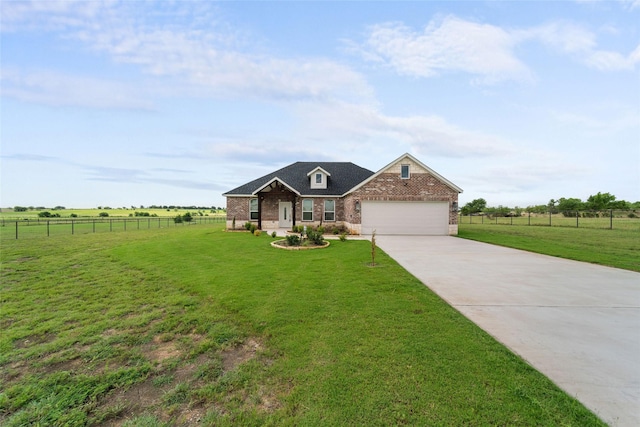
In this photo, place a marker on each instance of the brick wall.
(388, 186)
(420, 186)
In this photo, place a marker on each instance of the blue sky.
(173, 103)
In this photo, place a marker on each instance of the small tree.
(474, 206)
(373, 248)
(187, 217)
(103, 214)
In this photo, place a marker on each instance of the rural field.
(197, 326)
(619, 247)
(10, 214)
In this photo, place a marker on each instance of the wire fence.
(606, 219)
(47, 227)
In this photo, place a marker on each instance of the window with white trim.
(318, 178)
(329, 210)
(253, 209)
(404, 171)
(307, 209)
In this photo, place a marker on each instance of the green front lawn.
(183, 324)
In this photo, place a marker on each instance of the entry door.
(285, 215)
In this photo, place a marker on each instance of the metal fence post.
(16, 230)
(549, 217)
(529, 217)
(577, 216)
(72, 227)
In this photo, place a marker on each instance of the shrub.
(252, 228)
(315, 236)
(343, 237)
(74, 215)
(233, 223)
(247, 225)
(177, 219)
(103, 214)
(320, 230)
(257, 233)
(293, 240)
(45, 214)
(187, 217)
(274, 234)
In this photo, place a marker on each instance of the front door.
(285, 220)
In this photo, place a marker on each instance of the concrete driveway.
(577, 323)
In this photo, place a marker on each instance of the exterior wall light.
(357, 205)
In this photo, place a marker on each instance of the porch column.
(260, 211)
(293, 209)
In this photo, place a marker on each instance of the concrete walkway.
(577, 323)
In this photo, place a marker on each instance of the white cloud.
(201, 58)
(486, 51)
(38, 15)
(424, 134)
(581, 44)
(56, 89)
(450, 44)
(596, 124)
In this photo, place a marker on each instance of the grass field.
(170, 326)
(619, 221)
(619, 247)
(9, 214)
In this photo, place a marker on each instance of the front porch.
(276, 208)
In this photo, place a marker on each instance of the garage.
(401, 218)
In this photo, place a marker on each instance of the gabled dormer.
(318, 178)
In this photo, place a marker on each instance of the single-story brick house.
(404, 197)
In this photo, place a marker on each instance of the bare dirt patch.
(234, 356)
(150, 395)
(33, 340)
(159, 351)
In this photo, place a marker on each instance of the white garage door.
(416, 218)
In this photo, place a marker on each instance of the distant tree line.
(567, 206)
(213, 209)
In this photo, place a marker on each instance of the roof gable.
(417, 166)
(319, 169)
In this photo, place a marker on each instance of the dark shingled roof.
(344, 176)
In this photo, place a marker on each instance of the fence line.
(43, 227)
(607, 219)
